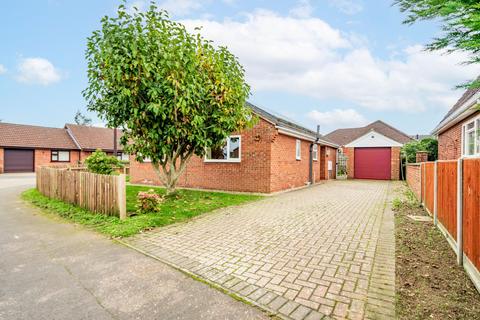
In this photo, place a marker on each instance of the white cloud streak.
(3, 69)
(37, 71)
(337, 118)
(307, 56)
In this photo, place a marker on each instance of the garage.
(18, 160)
(373, 163)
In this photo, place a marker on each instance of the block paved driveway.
(321, 252)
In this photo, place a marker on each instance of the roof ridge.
(30, 125)
(391, 127)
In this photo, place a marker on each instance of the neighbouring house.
(373, 151)
(459, 131)
(23, 148)
(272, 156)
(88, 139)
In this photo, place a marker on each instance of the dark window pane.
(235, 148)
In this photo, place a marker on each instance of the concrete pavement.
(50, 269)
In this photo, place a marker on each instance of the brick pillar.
(421, 156)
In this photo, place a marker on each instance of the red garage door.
(18, 160)
(373, 163)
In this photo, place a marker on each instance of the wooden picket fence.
(450, 192)
(103, 194)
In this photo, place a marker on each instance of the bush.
(427, 144)
(148, 201)
(99, 162)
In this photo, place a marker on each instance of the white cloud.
(173, 7)
(37, 71)
(303, 9)
(337, 118)
(307, 56)
(349, 7)
(2, 69)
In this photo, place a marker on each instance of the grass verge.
(429, 283)
(185, 205)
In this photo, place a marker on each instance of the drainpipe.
(115, 142)
(310, 168)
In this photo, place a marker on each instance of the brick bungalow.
(373, 151)
(459, 131)
(272, 156)
(23, 148)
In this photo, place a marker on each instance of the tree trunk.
(169, 173)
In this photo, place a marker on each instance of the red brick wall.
(450, 141)
(1, 160)
(350, 153)
(395, 163)
(43, 157)
(268, 164)
(287, 171)
(413, 179)
(421, 156)
(252, 174)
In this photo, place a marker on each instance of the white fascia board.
(373, 139)
(299, 135)
(461, 113)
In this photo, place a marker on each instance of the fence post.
(435, 193)
(424, 181)
(122, 196)
(460, 212)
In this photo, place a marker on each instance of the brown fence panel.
(471, 210)
(447, 196)
(429, 168)
(98, 193)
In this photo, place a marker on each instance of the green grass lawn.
(183, 206)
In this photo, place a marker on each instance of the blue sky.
(339, 63)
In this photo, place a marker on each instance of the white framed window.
(122, 156)
(231, 151)
(471, 138)
(60, 156)
(315, 152)
(298, 150)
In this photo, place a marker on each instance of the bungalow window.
(122, 156)
(60, 156)
(471, 138)
(315, 152)
(229, 152)
(298, 150)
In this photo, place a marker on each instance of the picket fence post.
(121, 196)
(460, 212)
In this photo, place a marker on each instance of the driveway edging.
(381, 290)
(203, 273)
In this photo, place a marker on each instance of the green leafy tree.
(82, 119)
(460, 23)
(101, 163)
(430, 145)
(172, 92)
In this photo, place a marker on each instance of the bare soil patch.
(429, 283)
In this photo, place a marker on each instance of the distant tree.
(460, 23)
(410, 149)
(173, 93)
(81, 119)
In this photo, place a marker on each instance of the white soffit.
(373, 139)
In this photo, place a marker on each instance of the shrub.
(99, 162)
(148, 201)
(427, 144)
